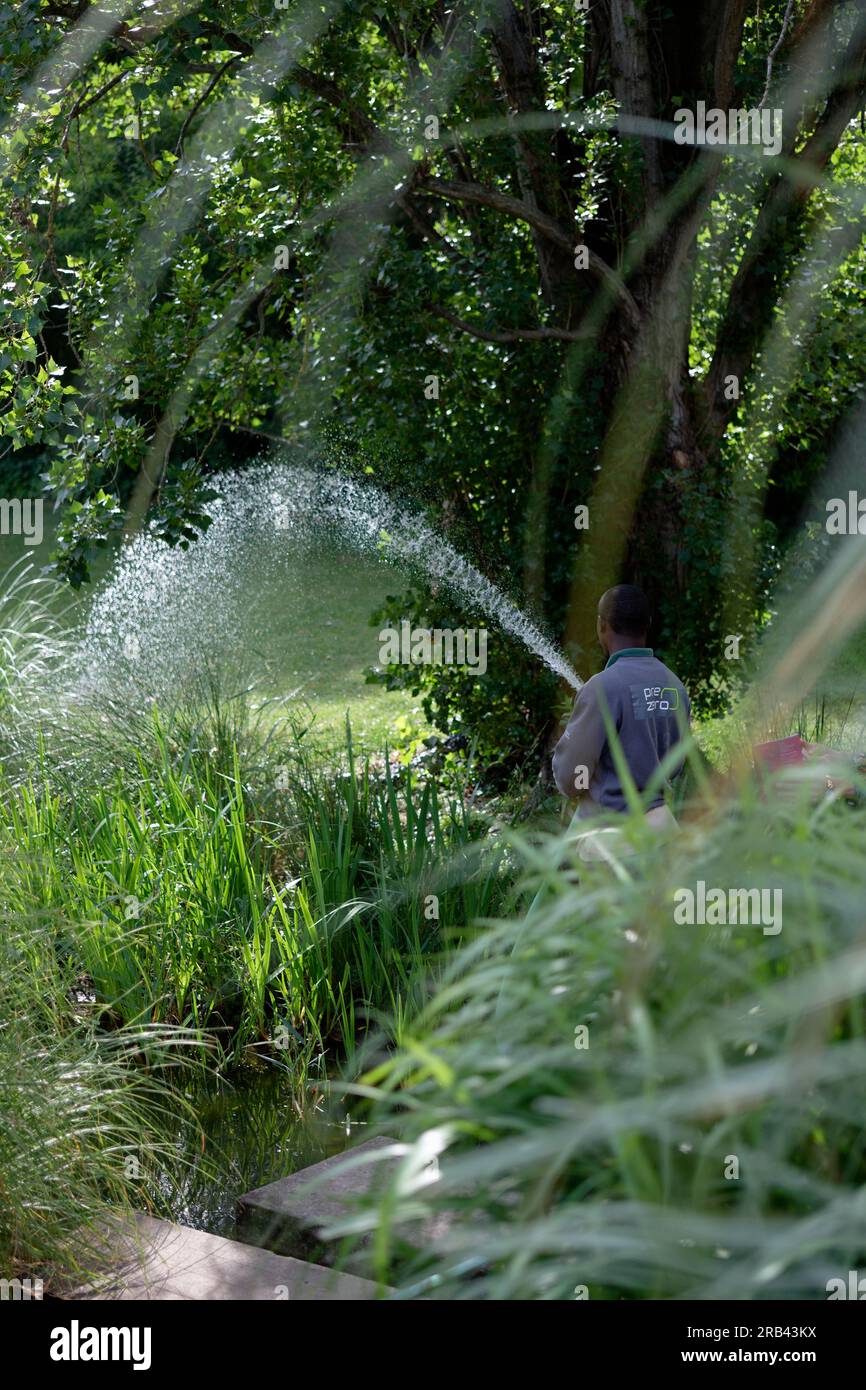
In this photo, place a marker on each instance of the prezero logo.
(654, 699)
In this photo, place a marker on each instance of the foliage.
(240, 900)
(601, 1164)
(484, 715)
(83, 1120)
(203, 244)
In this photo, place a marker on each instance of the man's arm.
(581, 745)
(683, 726)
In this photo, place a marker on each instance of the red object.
(780, 752)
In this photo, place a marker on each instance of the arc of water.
(624, 123)
(173, 602)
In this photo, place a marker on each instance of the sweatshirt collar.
(628, 651)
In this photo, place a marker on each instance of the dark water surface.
(247, 1133)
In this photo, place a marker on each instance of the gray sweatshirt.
(650, 710)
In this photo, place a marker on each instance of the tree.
(491, 195)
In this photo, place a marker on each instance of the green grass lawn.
(313, 639)
(320, 643)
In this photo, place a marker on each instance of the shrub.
(703, 1138)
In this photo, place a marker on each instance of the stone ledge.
(156, 1259)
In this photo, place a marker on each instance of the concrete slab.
(153, 1259)
(291, 1215)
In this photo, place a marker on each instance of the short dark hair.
(626, 610)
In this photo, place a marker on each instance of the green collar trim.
(628, 651)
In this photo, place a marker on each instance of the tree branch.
(523, 83)
(360, 132)
(482, 196)
(197, 105)
(358, 128)
(809, 21)
(543, 159)
(789, 8)
(84, 103)
(767, 257)
(507, 335)
(632, 80)
(727, 50)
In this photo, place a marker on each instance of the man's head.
(623, 618)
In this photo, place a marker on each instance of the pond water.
(246, 1133)
(309, 636)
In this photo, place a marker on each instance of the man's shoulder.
(666, 679)
(667, 673)
(622, 673)
(604, 685)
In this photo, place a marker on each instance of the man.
(647, 706)
(649, 709)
